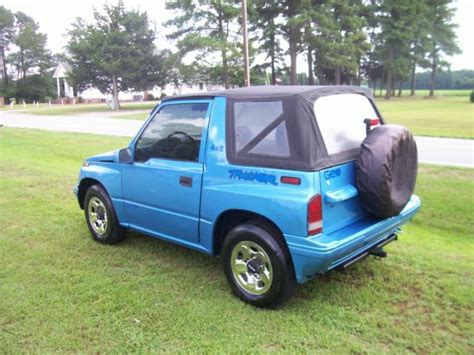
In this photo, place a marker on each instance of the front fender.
(109, 175)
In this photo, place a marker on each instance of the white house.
(61, 75)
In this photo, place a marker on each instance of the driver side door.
(162, 187)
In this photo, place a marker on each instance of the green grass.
(448, 116)
(422, 93)
(62, 292)
(58, 110)
(134, 116)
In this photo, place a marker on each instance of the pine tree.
(263, 16)
(292, 29)
(31, 53)
(441, 38)
(7, 31)
(340, 39)
(394, 40)
(206, 28)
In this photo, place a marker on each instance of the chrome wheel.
(97, 215)
(251, 267)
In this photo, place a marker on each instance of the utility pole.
(245, 44)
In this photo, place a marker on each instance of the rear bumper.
(312, 255)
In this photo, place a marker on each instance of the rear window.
(341, 120)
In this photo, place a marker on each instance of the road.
(443, 151)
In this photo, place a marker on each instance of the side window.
(260, 129)
(173, 133)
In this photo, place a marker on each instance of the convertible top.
(310, 93)
(307, 148)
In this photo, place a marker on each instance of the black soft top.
(311, 93)
(308, 151)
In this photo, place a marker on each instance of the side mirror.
(125, 156)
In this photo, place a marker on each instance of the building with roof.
(61, 75)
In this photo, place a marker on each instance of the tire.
(386, 170)
(257, 266)
(98, 208)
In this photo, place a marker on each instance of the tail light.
(315, 215)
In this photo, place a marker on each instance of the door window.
(173, 133)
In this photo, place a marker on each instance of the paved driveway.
(444, 151)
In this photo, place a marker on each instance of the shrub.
(472, 96)
(151, 97)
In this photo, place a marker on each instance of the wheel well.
(233, 218)
(83, 187)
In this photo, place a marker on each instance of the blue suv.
(282, 183)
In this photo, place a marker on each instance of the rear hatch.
(341, 121)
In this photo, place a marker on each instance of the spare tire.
(386, 170)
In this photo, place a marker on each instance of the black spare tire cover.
(386, 170)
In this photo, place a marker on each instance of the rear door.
(341, 121)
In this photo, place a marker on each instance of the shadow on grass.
(206, 271)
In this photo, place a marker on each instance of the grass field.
(448, 116)
(59, 110)
(134, 116)
(438, 93)
(62, 292)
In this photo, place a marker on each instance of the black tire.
(113, 232)
(283, 277)
(386, 170)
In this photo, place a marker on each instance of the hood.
(108, 157)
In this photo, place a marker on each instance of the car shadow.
(201, 268)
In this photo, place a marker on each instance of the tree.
(7, 31)
(371, 64)
(116, 52)
(442, 38)
(340, 38)
(264, 18)
(31, 55)
(35, 87)
(419, 44)
(292, 29)
(309, 17)
(397, 18)
(206, 28)
(25, 56)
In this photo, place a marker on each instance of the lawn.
(438, 93)
(444, 116)
(450, 114)
(134, 116)
(58, 110)
(62, 292)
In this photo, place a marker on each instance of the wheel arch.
(231, 218)
(84, 186)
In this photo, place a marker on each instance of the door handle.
(185, 181)
(341, 194)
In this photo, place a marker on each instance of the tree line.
(380, 43)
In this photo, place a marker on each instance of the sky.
(56, 16)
